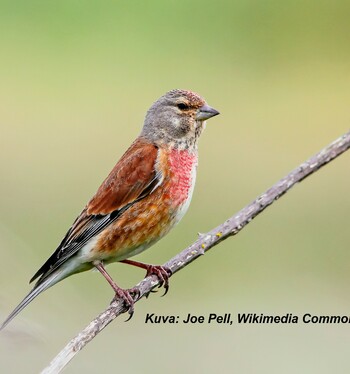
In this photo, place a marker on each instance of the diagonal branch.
(206, 241)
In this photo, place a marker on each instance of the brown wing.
(127, 180)
(134, 177)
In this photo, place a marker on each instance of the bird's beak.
(206, 112)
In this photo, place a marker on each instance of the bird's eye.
(182, 106)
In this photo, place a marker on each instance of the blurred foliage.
(76, 80)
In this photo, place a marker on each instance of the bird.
(145, 195)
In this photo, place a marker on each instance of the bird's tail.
(40, 286)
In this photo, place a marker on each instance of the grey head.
(177, 119)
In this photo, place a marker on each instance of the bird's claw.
(129, 297)
(163, 273)
(149, 292)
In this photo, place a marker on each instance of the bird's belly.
(136, 229)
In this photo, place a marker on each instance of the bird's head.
(177, 119)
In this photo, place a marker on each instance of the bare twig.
(206, 241)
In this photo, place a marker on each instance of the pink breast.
(182, 165)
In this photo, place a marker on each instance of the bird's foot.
(163, 273)
(129, 297)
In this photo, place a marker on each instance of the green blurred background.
(76, 78)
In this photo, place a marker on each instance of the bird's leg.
(162, 272)
(125, 295)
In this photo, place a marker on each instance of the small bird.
(145, 195)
